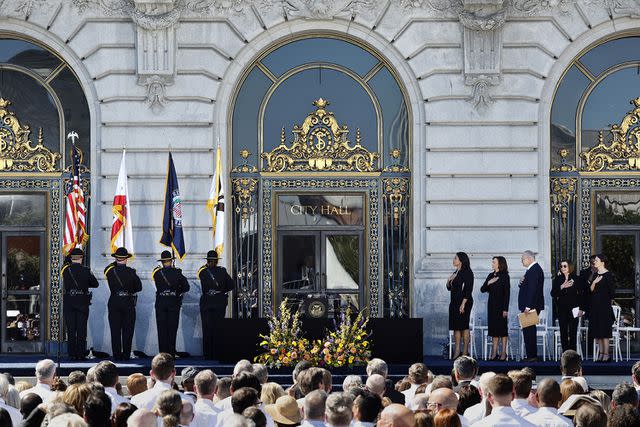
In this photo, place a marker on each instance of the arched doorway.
(321, 136)
(41, 100)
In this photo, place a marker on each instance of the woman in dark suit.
(460, 284)
(601, 291)
(565, 289)
(498, 286)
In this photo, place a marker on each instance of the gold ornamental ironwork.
(320, 144)
(623, 151)
(16, 152)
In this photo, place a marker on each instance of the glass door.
(621, 249)
(22, 263)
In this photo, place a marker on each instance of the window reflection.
(22, 209)
(23, 318)
(28, 55)
(611, 53)
(23, 263)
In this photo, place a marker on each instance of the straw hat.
(285, 410)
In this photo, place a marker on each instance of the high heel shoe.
(606, 358)
(495, 358)
(503, 360)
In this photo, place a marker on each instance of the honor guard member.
(216, 282)
(123, 283)
(170, 285)
(77, 279)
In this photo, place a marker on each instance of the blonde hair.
(271, 392)
(23, 385)
(67, 420)
(168, 406)
(76, 395)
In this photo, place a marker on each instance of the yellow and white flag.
(121, 229)
(215, 205)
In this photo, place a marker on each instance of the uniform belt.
(211, 293)
(167, 294)
(123, 294)
(74, 292)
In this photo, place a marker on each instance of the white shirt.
(312, 423)
(549, 417)
(224, 404)
(362, 424)
(220, 421)
(503, 416)
(206, 413)
(147, 399)
(16, 416)
(42, 390)
(522, 407)
(463, 421)
(476, 412)
(409, 394)
(116, 399)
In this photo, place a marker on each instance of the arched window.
(360, 261)
(595, 160)
(41, 100)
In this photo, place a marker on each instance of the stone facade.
(480, 74)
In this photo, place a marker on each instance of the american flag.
(75, 226)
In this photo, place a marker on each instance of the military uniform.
(76, 280)
(216, 282)
(170, 285)
(123, 283)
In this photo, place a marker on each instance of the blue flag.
(172, 234)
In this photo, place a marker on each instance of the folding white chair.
(472, 337)
(614, 342)
(488, 345)
(557, 343)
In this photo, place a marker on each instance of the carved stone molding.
(482, 22)
(324, 9)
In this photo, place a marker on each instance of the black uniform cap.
(166, 256)
(212, 255)
(121, 253)
(76, 252)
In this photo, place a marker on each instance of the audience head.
(468, 396)
(58, 384)
(163, 367)
(237, 420)
(442, 398)
(242, 366)
(351, 381)
(223, 388)
(376, 384)
(244, 398)
(447, 418)
(485, 379)
(187, 376)
(256, 415)
(603, 398)
(285, 412)
(245, 379)
(441, 381)
(63, 420)
(186, 413)
(271, 392)
(45, 371)
(418, 373)
(569, 387)
(624, 394)
(338, 410)
(22, 386)
(142, 418)
(28, 403)
(500, 390)
(327, 380)
(4, 386)
(548, 394)
(624, 416)
(521, 384)
(301, 366)
(420, 402)
(464, 368)
(314, 405)
(396, 415)
(423, 419)
(97, 409)
(168, 407)
(76, 395)
(571, 364)
(377, 366)
(136, 384)
(311, 379)
(205, 383)
(260, 371)
(106, 373)
(122, 414)
(635, 373)
(590, 415)
(367, 407)
(77, 377)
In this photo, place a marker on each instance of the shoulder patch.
(63, 269)
(200, 269)
(109, 267)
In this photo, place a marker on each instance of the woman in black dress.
(601, 291)
(460, 284)
(498, 286)
(565, 289)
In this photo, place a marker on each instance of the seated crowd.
(98, 398)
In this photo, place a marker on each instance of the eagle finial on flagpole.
(73, 135)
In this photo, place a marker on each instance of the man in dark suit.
(531, 297)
